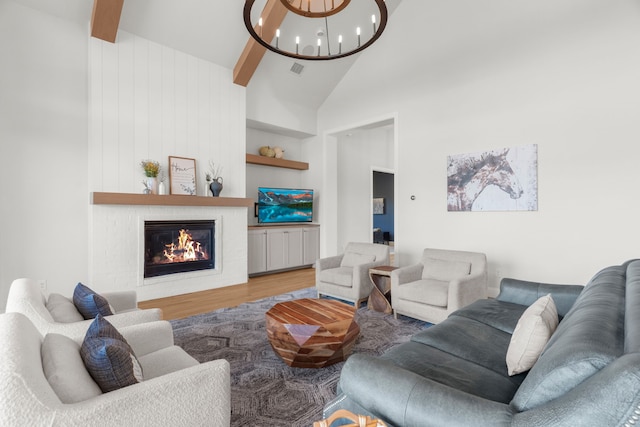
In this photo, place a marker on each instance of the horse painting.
(468, 176)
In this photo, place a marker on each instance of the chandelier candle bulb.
(358, 33)
(277, 37)
(297, 44)
(373, 21)
(339, 44)
(260, 25)
(319, 43)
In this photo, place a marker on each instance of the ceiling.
(214, 30)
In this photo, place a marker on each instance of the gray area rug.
(265, 392)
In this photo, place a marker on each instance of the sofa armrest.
(526, 293)
(411, 400)
(330, 262)
(122, 300)
(406, 274)
(146, 338)
(196, 396)
(466, 290)
(608, 398)
(361, 273)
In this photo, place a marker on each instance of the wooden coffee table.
(312, 333)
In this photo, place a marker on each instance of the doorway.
(351, 154)
(383, 212)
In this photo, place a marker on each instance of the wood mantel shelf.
(99, 198)
(279, 163)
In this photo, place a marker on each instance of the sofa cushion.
(342, 276)
(455, 372)
(351, 259)
(65, 371)
(108, 357)
(467, 339)
(587, 339)
(165, 361)
(426, 291)
(501, 315)
(62, 309)
(89, 303)
(441, 269)
(531, 335)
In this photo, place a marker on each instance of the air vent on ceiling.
(297, 68)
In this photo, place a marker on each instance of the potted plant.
(151, 170)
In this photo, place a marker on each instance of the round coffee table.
(312, 333)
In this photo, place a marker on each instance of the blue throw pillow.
(89, 303)
(108, 357)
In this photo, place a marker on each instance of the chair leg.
(395, 314)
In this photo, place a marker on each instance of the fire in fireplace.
(178, 247)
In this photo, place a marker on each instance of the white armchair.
(176, 390)
(346, 276)
(441, 283)
(57, 314)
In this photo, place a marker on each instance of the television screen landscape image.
(282, 205)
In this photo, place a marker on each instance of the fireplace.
(178, 247)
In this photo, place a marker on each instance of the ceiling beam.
(105, 19)
(272, 16)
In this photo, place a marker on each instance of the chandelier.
(316, 29)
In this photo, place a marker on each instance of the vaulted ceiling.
(214, 31)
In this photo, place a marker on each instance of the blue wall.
(383, 187)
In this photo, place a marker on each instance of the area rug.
(265, 392)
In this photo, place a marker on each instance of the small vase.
(216, 186)
(161, 188)
(152, 184)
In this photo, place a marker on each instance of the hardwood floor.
(230, 296)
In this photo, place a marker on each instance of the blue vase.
(216, 186)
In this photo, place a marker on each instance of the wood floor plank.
(259, 287)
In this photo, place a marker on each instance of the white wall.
(359, 152)
(189, 108)
(149, 101)
(43, 149)
(267, 105)
(467, 76)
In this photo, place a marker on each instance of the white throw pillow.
(351, 259)
(65, 371)
(62, 309)
(533, 331)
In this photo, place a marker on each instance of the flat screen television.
(282, 205)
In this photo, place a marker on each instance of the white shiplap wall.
(148, 101)
(151, 101)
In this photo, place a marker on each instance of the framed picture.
(182, 175)
(378, 205)
(504, 179)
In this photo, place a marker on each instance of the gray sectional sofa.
(454, 373)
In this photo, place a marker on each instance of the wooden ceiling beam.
(105, 19)
(272, 16)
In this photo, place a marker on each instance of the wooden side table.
(380, 297)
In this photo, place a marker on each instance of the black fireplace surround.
(178, 246)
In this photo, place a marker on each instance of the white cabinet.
(311, 243)
(282, 248)
(257, 253)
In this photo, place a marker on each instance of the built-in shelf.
(279, 163)
(99, 198)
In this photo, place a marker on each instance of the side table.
(380, 297)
